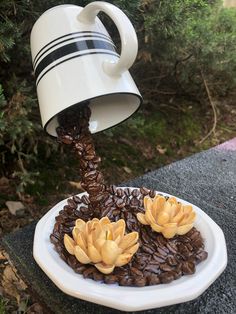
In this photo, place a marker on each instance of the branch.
(213, 106)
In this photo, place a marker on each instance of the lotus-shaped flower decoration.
(102, 243)
(167, 216)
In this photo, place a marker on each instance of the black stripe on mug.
(65, 40)
(71, 48)
(77, 56)
(74, 33)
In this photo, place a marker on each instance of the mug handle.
(129, 42)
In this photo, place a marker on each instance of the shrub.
(191, 38)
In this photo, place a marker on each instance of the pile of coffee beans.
(158, 260)
(74, 130)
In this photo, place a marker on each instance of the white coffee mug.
(75, 60)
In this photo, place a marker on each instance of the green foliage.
(2, 306)
(191, 38)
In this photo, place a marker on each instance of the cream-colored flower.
(102, 243)
(168, 217)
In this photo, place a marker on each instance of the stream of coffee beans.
(158, 260)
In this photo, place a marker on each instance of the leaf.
(161, 150)
(76, 184)
(127, 170)
(11, 283)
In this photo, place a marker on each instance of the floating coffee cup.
(75, 61)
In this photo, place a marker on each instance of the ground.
(164, 130)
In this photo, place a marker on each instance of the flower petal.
(119, 228)
(147, 202)
(133, 249)
(172, 200)
(141, 218)
(169, 230)
(129, 240)
(118, 239)
(178, 216)
(167, 208)
(93, 253)
(123, 259)
(80, 224)
(105, 269)
(99, 243)
(157, 228)
(187, 209)
(159, 202)
(75, 233)
(149, 217)
(163, 218)
(184, 229)
(187, 219)
(80, 240)
(109, 252)
(81, 256)
(69, 244)
(104, 221)
(118, 233)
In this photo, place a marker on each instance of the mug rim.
(92, 98)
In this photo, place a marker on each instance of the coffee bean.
(144, 191)
(120, 192)
(108, 202)
(135, 271)
(72, 261)
(188, 268)
(71, 203)
(79, 147)
(66, 139)
(189, 246)
(113, 189)
(177, 273)
(98, 276)
(158, 258)
(63, 257)
(153, 280)
(165, 267)
(197, 243)
(84, 209)
(171, 261)
(166, 277)
(110, 279)
(201, 256)
(172, 247)
(152, 193)
(125, 281)
(162, 251)
(54, 239)
(87, 273)
(77, 199)
(145, 236)
(153, 268)
(147, 249)
(127, 191)
(99, 178)
(85, 199)
(120, 203)
(135, 193)
(139, 281)
(134, 203)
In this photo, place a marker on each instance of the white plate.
(132, 298)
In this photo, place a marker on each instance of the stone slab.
(207, 179)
